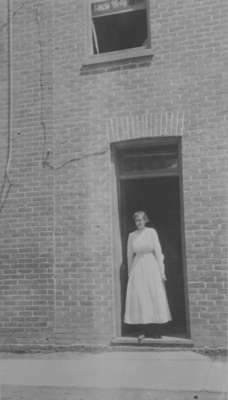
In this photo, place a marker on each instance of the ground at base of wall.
(55, 393)
(10, 350)
(220, 353)
(121, 375)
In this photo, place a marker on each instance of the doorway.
(149, 179)
(159, 197)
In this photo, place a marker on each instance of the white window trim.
(91, 58)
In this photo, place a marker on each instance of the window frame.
(134, 52)
(118, 235)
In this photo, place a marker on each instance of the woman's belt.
(139, 253)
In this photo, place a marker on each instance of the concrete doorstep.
(117, 375)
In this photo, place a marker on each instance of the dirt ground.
(53, 393)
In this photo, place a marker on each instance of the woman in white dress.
(146, 300)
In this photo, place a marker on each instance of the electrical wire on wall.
(7, 183)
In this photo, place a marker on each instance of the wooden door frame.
(127, 145)
(183, 239)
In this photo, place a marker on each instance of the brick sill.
(137, 52)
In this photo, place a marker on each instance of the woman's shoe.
(153, 335)
(156, 336)
(140, 338)
(152, 331)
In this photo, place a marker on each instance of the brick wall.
(27, 283)
(56, 226)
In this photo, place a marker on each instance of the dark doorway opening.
(160, 198)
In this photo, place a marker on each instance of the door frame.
(117, 213)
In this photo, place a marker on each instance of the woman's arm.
(130, 253)
(159, 255)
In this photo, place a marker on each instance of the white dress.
(146, 300)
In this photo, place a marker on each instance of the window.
(163, 159)
(118, 25)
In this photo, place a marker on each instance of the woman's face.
(140, 222)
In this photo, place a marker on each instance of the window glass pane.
(120, 31)
(147, 160)
(119, 25)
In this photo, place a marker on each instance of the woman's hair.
(141, 214)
